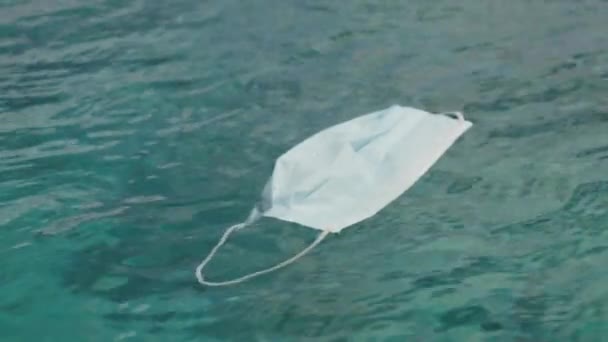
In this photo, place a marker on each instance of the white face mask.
(349, 172)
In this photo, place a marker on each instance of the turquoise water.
(132, 133)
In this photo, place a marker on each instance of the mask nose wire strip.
(201, 266)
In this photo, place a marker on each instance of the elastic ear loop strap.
(199, 269)
(458, 115)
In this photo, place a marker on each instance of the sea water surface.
(132, 133)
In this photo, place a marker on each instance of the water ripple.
(133, 132)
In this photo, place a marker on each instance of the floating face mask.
(348, 172)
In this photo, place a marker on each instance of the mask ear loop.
(455, 115)
(255, 215)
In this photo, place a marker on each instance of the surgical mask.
(347, 173)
